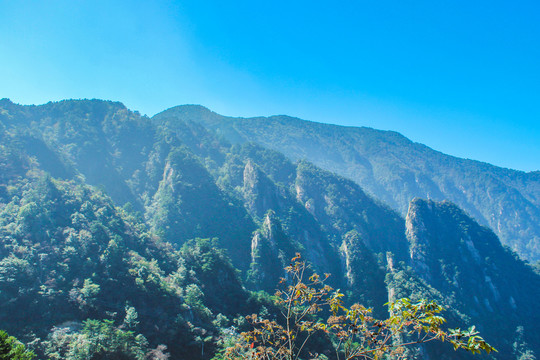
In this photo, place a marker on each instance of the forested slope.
(99, 206)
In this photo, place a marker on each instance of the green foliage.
(96, 340)
(12, 349)
(208, 277)
(130, 321)
(80, 253)
(522, 350)
(85, 296)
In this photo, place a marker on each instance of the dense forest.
(128, 237)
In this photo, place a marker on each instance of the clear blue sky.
(460, 76)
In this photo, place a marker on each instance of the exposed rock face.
(419, 242)
(258, 191)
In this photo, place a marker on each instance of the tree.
(353, 332)
(12, 349)
(97, 340)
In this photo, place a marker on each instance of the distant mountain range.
(395, 170)
(99, 207)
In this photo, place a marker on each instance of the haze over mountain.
(99, 207)
(395, 170)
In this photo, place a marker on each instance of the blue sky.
(461, 77)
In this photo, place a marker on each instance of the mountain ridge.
(203, 109)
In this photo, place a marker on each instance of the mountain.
(160, 231)
(466, 263)
(395, 170)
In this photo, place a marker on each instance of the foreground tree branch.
(355, 334)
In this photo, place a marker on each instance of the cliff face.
(465, 261)
(259, 193)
